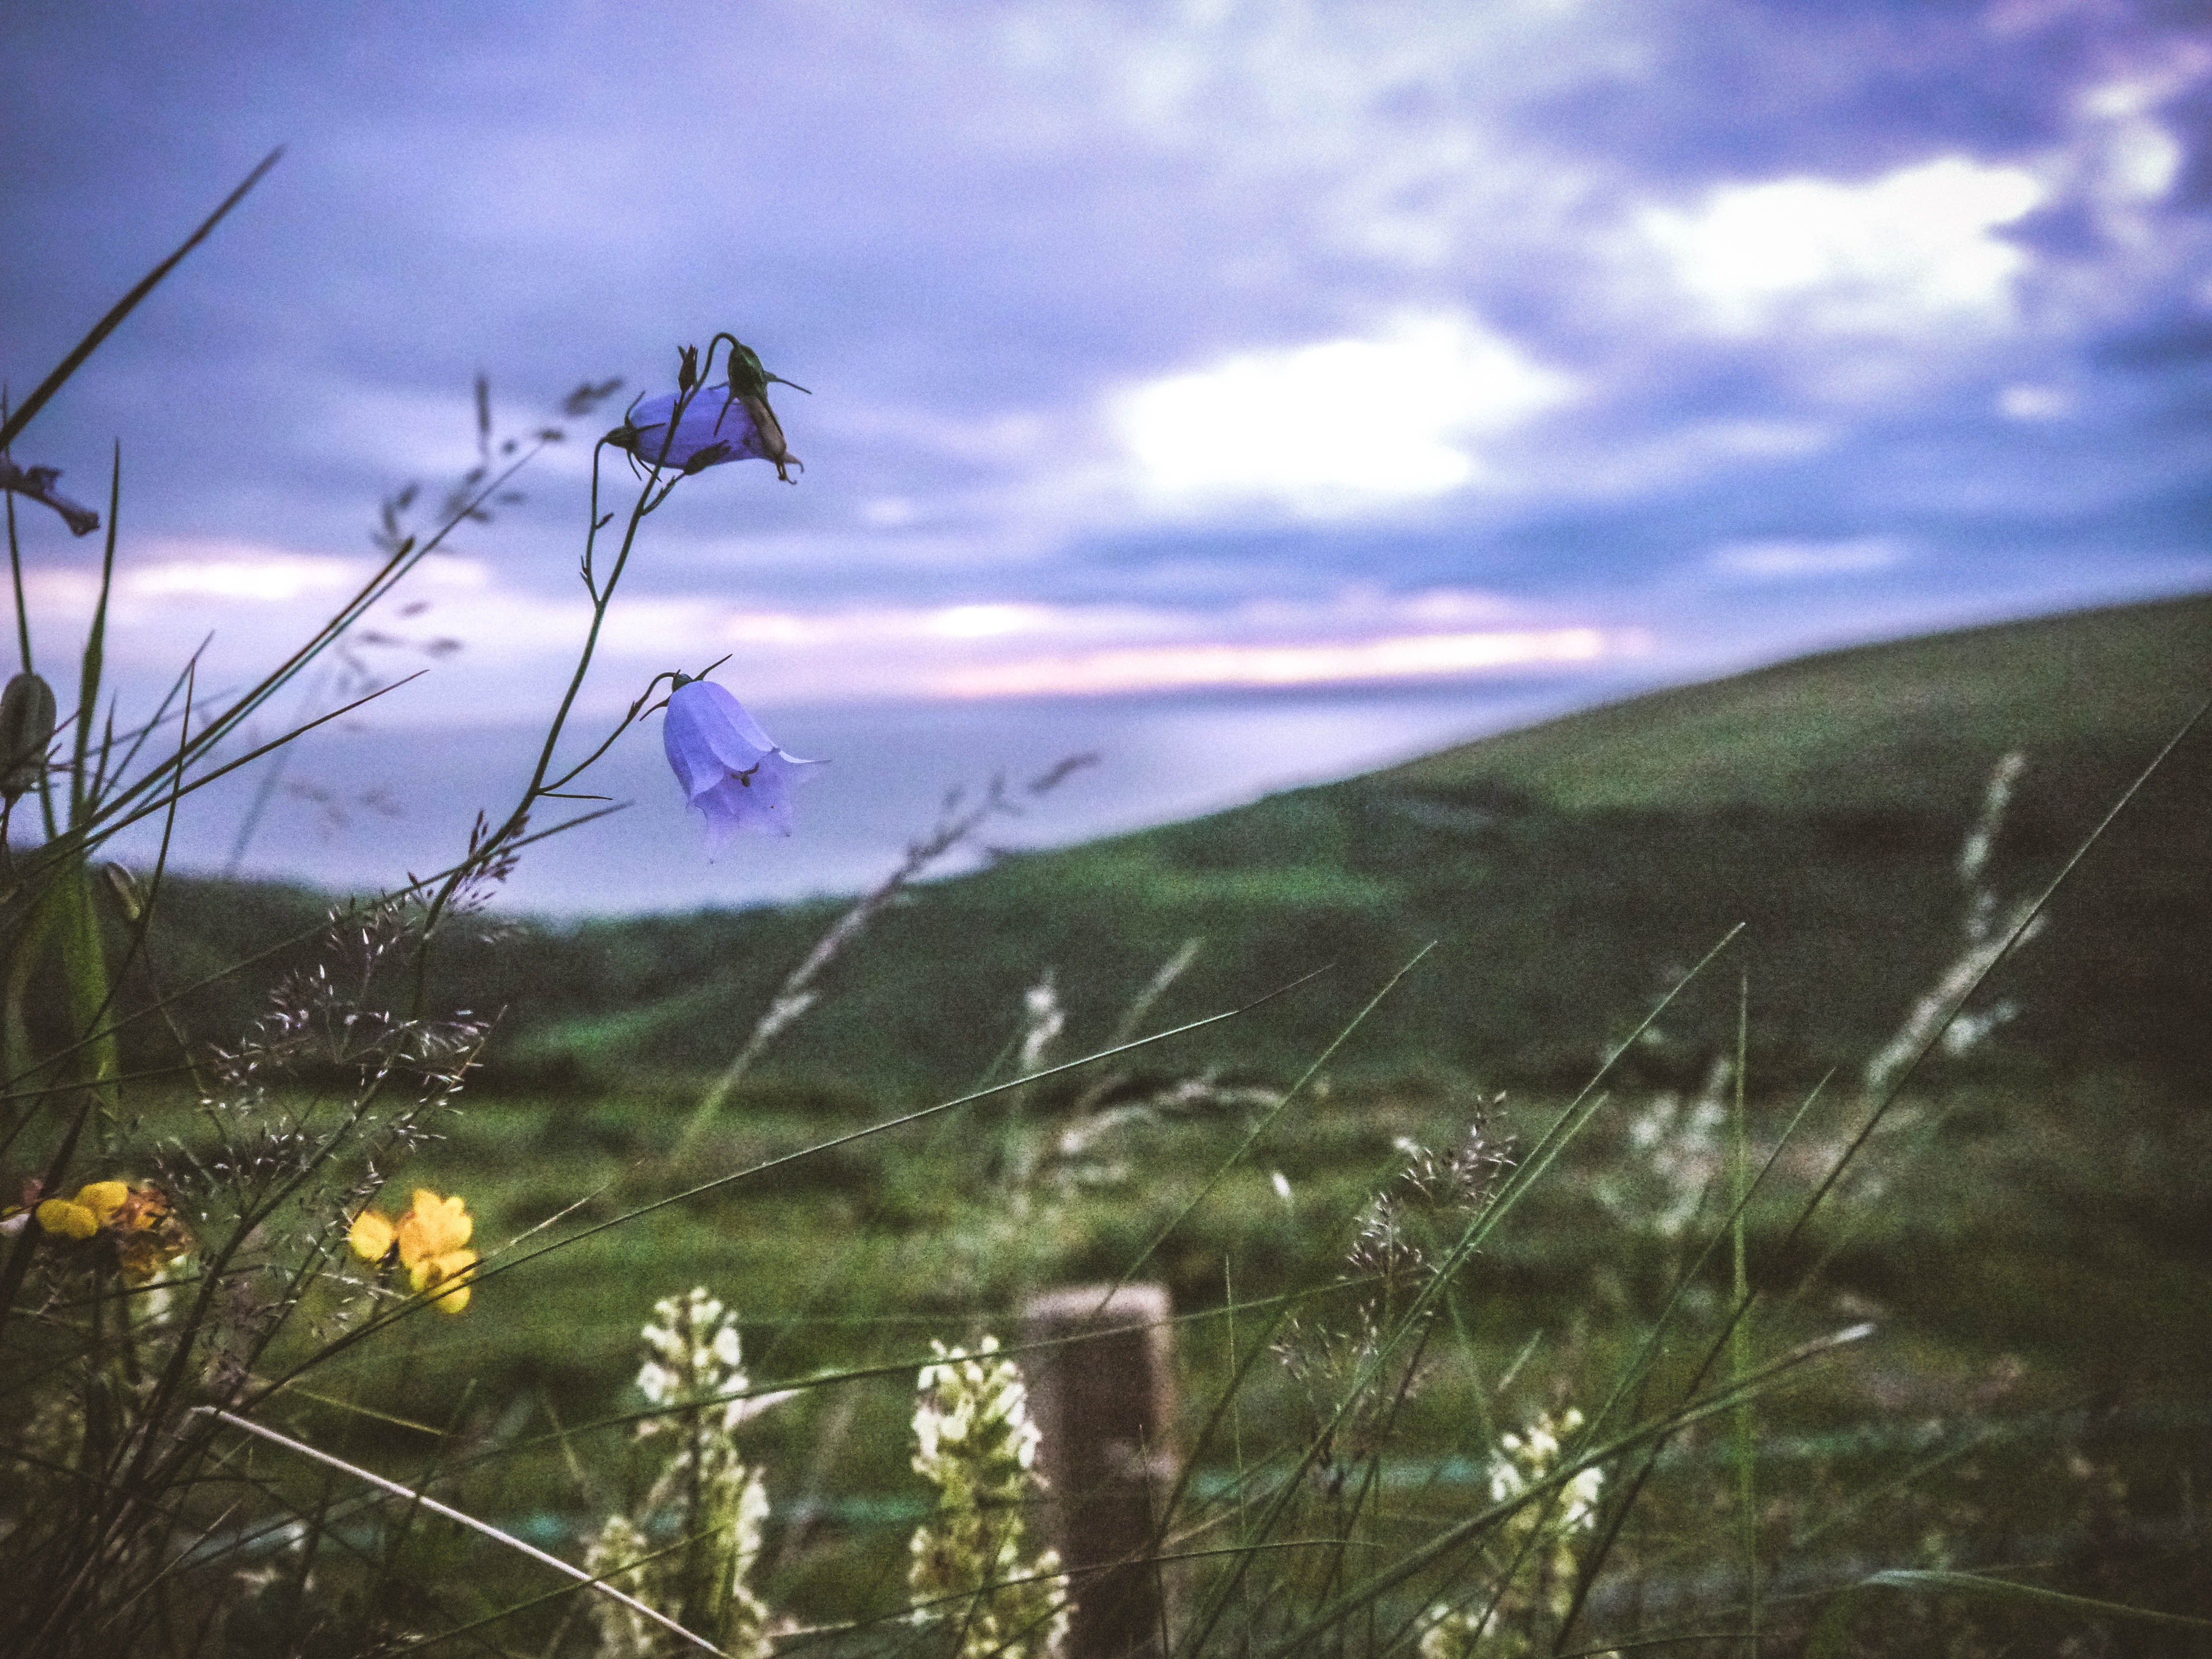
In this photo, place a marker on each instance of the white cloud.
(1403, 656)
(1912, 249)
(2137, 158)
(1338, 426)
(174, 577)
(2025, 402)
(888, 513)
(2145, 159)
(242, 572)
(1798, 561)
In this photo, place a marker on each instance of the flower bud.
(27, 725)
(687, 372)
(748, 377)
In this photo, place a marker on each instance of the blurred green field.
(2036, 1264)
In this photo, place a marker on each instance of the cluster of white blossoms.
(1680, 1151)
(976, 1443)
(706, 1495)
(1535, 1551)
(691, 1354)
(1527, 1460)
(689, 1550)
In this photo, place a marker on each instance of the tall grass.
(227, 1307)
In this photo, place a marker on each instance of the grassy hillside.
(1568, 874)
(1902, 727)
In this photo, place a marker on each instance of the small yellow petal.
(432, 1271)
(68, 1219)
(104, 1198)
(434, 1227)
(457, 1221)
(442, 1271)
(370, 1236)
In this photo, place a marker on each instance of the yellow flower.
(67, 1219)
(430, 1275)
(104, 1198)
(85, 1214)
(431, 1241)
(148, 1237)
(434, 1227)
(370, 1237)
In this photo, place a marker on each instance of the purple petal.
(715, 417)
(730, 769)
(757, 805)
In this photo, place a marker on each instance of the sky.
(1249, 393)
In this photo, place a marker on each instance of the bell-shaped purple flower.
(729, 769)
(718, 424)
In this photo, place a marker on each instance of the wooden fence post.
(1105, 1406)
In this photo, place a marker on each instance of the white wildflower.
(977, 1444)
(692, 1356)
(1681, 1154)
(705, 1494)
(1534, 1551)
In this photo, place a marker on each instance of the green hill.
(1568, 873)
(1906, 726)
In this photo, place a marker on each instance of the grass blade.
(1831, 1637)
(459, 1518)
(124, 306)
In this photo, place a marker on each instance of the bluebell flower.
(729, 769)
(720, 423)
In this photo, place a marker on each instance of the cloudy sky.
(1252, 392)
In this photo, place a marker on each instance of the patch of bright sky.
(516, 639)
(1784, 561)
(1339, 425)
(2024, 402)
(2138, 158)
(1912, 248)
(1174, 668)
